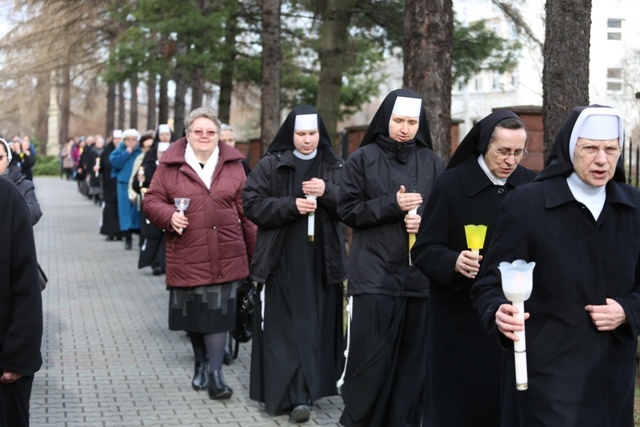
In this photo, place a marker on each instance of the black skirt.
(207, 309)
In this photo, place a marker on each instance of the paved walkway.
(108, 357)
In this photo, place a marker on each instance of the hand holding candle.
(181, 203)
(96, 168)
(475, 238)
(517, 284)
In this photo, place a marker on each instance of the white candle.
(311, 221)
(520, 351)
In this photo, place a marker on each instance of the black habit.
(297, 345)
(384, 378)
(109, 224)
(578, 375)
(463, 381)
(20, 306)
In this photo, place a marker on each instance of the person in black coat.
(384, 180)
(12, 171)
(109, 224)
(464, 361)
(579, 222)
(20, 307)
(296, 353)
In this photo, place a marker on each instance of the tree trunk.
(271, 57)
(226, 72)
(133, 104)
(428, 42)
(111, 109)
(151, 102)
(179, 100)
(42, 95)
(65, 102)
(121, 101)
(565, 77)
(332, 50)
(197, 89)
(163, 106)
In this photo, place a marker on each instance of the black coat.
(464, 359)
(20, 299)
(577, 374)
(109, 184)
(379, 254)
(268, 201)
(28, 192)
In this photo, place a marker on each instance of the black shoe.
(110, 238)
(300, 414)
(157, 270)
(227, 357)
(200, 381)
(128, 243)
(218, 389)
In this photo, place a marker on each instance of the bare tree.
(121, 105)
(271, 57)
(428, 42)
(565, 78)
(111, 109)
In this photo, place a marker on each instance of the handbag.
(42, 277)
(245, 306)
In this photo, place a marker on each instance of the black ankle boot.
(218, 388)
(200, 381)
(127, 243)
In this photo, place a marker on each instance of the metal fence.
(631, 162)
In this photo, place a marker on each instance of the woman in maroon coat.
(208, 246)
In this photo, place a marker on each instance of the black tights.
(211, 346)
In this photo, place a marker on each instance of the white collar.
(492, 177)
(592, 197)
(305, 156)
(205, 173)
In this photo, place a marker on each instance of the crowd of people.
(430, 332)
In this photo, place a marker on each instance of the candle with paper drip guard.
(311, 221)
(517, 283)
(182, 203)
(98, 165)
(412, 236)
(475, 237)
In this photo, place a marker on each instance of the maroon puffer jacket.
(219, 242)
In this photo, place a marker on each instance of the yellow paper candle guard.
(475, 237)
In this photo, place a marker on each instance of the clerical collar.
(305, 156)
(492, 177)
(592, 197)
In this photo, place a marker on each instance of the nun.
(109, 223)
(579, 222)
(382, 194)
(464, 361)
(299, 262)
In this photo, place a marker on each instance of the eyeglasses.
(505, 153)
(593, 150)
(228, 140)
(201, 132)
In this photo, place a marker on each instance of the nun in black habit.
(384, 180)
(109, 221)
(20, 307)
(579, 222)
(297, 347)
(464, 361)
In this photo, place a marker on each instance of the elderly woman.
(122, 160)
(208, 246)
(12, 171)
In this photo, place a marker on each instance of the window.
(614, 79)
(614, 29)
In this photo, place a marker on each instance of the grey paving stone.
(108, 356)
